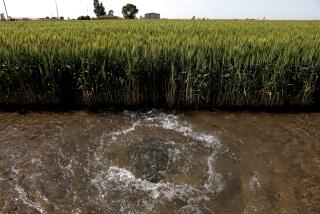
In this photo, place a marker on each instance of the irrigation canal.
(159, 162)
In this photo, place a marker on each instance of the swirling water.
(214, 162)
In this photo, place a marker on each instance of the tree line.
(129, 11)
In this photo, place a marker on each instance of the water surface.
(159, 162)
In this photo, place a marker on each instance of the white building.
(2, 17)
(152, 16)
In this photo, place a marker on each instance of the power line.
(5, 7)
(57, 9)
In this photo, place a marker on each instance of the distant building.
(25, 19)
(152, 16)
(2, 17)
(21, 19)
(109, 17)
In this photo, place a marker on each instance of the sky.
(184, 9)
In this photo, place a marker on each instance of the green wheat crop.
(163, 63)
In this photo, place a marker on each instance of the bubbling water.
(120, 180)
(157, 162)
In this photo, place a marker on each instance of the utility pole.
(57, 9)
(5, 7)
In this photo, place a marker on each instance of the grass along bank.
(160, 63)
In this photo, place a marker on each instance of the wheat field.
(165, 63)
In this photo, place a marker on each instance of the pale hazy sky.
(220, 9)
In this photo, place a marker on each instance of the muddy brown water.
(159, 162)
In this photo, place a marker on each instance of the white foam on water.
(23, 197)
(174, 154)
(128, 181)
(254, 181)
(42, 197)
(15, 171)
(37, 162)
(124, 131)
(170, 143)
(76, 211)
(214, 182)
(171, 122)
(69, 167)
(165, 121)
(119, 179)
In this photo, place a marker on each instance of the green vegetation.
(129, 11)
(99, 9)
(161, 63)
(84, 18)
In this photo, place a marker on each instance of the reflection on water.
(157, 162)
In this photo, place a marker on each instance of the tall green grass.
(161, 63)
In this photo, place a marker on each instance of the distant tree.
(61, 18)
(129, 11)
(84, 18)
(99, 9)
(111, 12)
